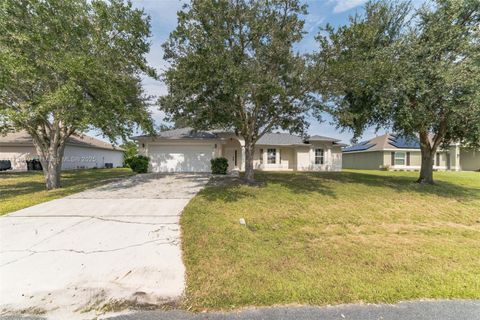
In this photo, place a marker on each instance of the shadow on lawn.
(32, 182)
(230, 190)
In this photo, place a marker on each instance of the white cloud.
(344, 5)
(313, 21)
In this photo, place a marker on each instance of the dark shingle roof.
(266, 139)
(23, 138)
(322, 138)
(183, 133)
(279, 139)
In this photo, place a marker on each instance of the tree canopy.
(232, 65)
(71, 66)
(417, 73)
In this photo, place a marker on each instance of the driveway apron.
(113, 245)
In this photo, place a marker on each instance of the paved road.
(415, 310)
(117, 242)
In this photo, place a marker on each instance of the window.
(271, 156)
(261, 156)
(319, 156)
(235, 157)
(400, 158)
(438, 159)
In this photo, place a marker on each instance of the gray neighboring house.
(186, 150)
(81, 152)
(391, 151)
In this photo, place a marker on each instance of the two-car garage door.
(191, 158)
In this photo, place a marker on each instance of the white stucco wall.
(332, 157)
(80, 157)
(284, 158)
(18, 155)
(75, 157)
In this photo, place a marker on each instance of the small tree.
(418, 76)
(232, 66)
(70, 66)
(130, 150)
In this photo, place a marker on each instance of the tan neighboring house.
(81, 152)
(185, 150)
(395, 152)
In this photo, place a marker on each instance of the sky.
(164, 20)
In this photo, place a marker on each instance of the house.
(396, 152)
(186, 150)
(81, 152)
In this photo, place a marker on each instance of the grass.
(328, 238)
(24, 189)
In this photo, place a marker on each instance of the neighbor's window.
(319, 158)
(271, 155)
(399, 158)
(261, 156)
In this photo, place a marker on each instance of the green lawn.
(327, 238)
(24, 189)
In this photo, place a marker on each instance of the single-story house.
(391, 151)
(81, 152)
(186, 150)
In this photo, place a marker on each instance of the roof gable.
(81, 140)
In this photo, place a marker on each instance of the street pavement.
(412, 310)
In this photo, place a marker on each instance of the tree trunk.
(51, 157)
(51, 171)
(249, 173)
(426, 170)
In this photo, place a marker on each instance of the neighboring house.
(185, 150)
(81, 152)
(395, 152)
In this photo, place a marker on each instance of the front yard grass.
(328, 238)
(24, 189)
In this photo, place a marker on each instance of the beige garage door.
(180, 158)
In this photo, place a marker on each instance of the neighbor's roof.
(386, 141)
(23, 138)
(273, 139)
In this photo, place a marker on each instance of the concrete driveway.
(105, 248)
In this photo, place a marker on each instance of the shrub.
(219, 165)
(138, 164)
(127, 160)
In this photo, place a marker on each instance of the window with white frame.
(261, 156)
(400, 158)
(319, 156)
(271, 156)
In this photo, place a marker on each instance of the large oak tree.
(232, 65)
(417, 73)
(71, 66)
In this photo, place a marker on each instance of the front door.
(232, 156)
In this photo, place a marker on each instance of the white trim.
(390, 150)
(416, 167)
